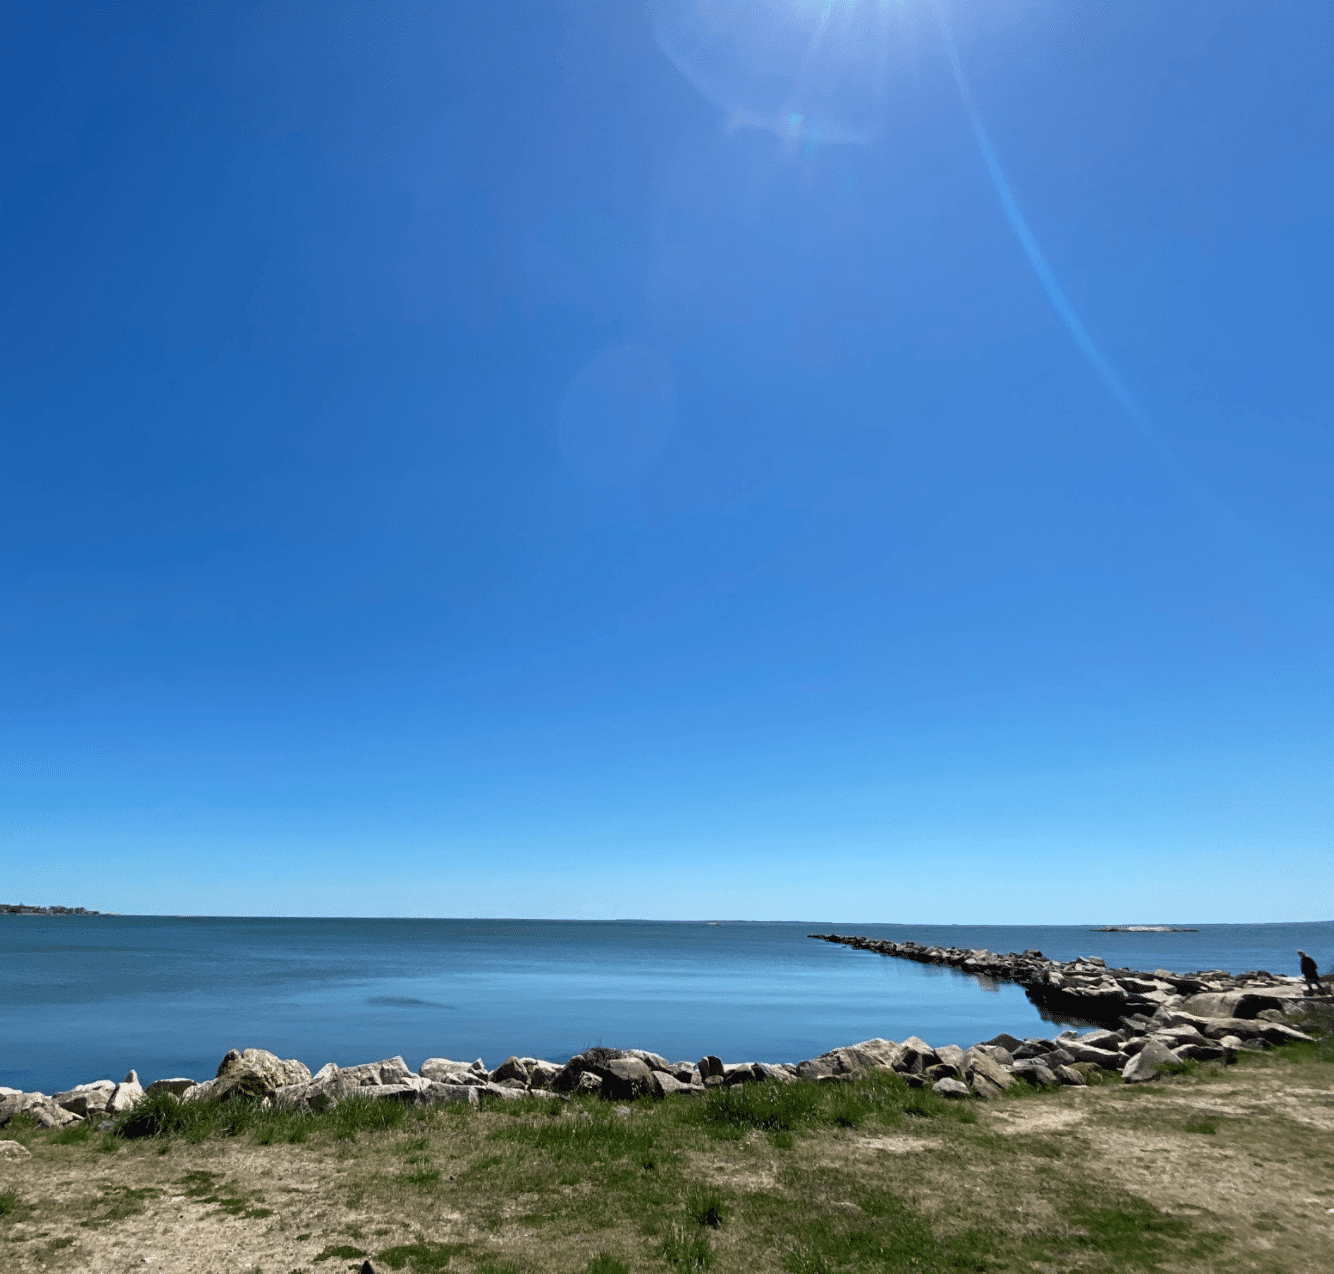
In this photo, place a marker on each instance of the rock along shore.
(1152, 1020)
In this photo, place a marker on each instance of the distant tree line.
(22, 909)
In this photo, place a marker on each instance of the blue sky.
(592, 459)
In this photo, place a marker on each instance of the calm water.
(84, 998)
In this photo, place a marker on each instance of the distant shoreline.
(23, 909)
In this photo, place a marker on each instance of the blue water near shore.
(88, 997)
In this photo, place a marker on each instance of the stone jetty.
(1145, 1023)
(1086, 990)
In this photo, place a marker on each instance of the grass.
(828, 1178)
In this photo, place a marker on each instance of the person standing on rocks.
(1310, 973)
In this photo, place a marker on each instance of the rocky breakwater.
(1086, 990)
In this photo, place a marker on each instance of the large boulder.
(665, 1084)
(951, 1088)
(48, 1115)
(443, 1070)
(859, 1059)
(511, 1070)
(979, 1065)
(253, 1073)
(176, 1086)
(87, 1099)
(126, 1096)
(1035, 1072)
(390, 1070)
(1148, 1062)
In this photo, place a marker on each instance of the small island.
(1143, 929)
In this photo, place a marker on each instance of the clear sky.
(754, 459)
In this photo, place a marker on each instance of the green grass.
(425, 1258)
(11, 1206)
(765, 1176)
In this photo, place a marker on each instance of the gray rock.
(1097, 1056)
(253, 1073)
(588, 1083)
(652, 1060)
(914, 1056)
(1033, 1047)
(952, 1055)
(1147, 1063)
(444, 1070)
(389, 1070)
(465, 1094)
(1034, 1072)
(709, 1066)
(665, 1084)
(979, 1065)
(87, 1099)
(512, 1069)
(177, 1086)
(14, 1150)
(951, 1088)
(1068, 1075)
(624, 1077)
(542, 1073)
(48, 1115)
(125, 1097)
(1007, 1042)
(984, 1088)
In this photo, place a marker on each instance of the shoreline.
(1145, 1024)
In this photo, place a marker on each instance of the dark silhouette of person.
(1310, 973)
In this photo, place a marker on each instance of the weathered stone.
(710, 1065)
(774, 1074)
(1068, 1074)
(465, 1094)
(542, 1073)
(254, 1073)
(653, 1061)
(1034, 1072)
(512, 1069)
(389, 1070)
(125, 1097)
(665, 1084)
(86, 1099)
(952, 1055)
(177, 1086)
(1095, 1056)
(1008, 1042)
(914, 1056)
(942, 1070)
(981, 1065)
(985, 1089)
(1033, 1047)
(624, 1077)
(14, 1150)
(1148, 1062)
(588, 1083)
(443, 1070)
(951, 1088)
(48, 1115)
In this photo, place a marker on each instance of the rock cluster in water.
(1160, 1019)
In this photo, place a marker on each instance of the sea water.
(88, 997)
